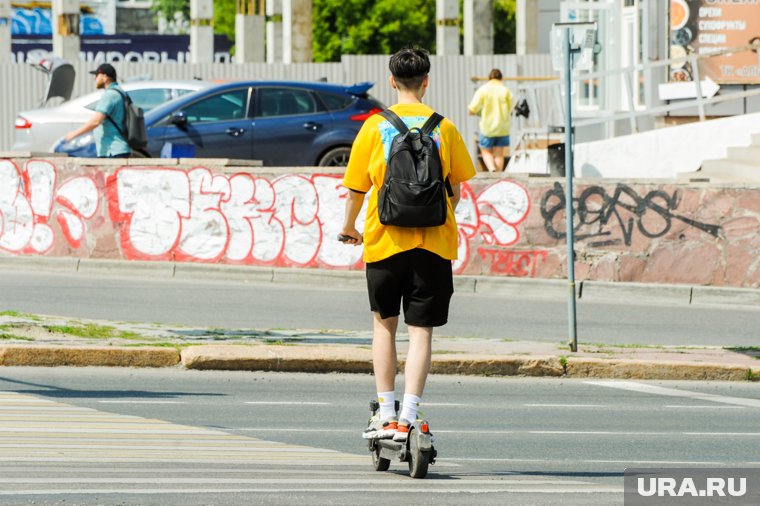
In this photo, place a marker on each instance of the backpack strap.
(124, 97)
(426, 129)
(431, 123)
(394, 119)
(116, 126)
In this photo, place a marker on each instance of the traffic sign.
(687, 89)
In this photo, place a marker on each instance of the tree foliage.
(504, 26)
(361, 26)
(370, 26)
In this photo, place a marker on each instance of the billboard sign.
(137, 48)
(707, 26)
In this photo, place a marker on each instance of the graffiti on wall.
(513, 263)
(601, 216)
(170, 214)
(29, 199)
(163, 213)
(492, 218)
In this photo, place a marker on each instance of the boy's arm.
(357, 180)
(354, 202)
(457, 191)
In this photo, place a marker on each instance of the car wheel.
(336, 157)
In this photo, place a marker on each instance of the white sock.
(409, 408)
(387, 402)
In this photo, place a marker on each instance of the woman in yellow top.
(404, 264)
(493, 102)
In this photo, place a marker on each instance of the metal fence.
(450, 91)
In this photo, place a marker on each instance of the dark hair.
(495, 74)
(409, 66)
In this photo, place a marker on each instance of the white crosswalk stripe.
(52, 449)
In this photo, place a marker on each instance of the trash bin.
(555, 157)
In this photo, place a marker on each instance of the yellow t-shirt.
(366, 171)
(493, 101)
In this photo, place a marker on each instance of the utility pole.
(478, 27)
(5, 31)
(447, 27)
(201, 31)
(573, 46)
(250, 30)
(66, 29)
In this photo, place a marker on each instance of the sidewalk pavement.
(35, 340)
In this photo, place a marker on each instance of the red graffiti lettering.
(512, 263)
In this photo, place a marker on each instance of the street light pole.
(572, 326)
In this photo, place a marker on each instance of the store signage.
(121, 48)
(708, 26)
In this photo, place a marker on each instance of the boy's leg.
(426, 305)
(418, 360)
(415, 376)
(384, 424)
(384, 352)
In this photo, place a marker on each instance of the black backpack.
(133, 131)
(413, 192)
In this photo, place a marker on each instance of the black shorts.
(419, 278)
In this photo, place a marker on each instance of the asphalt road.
(234, 305)
(172, 436)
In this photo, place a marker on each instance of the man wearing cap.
(109, 112)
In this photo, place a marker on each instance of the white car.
(40, 129)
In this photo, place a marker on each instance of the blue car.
(281, 123)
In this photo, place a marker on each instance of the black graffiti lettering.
(552, 203)
(597, 212)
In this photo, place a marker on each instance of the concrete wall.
(667, 232)
(666, 152)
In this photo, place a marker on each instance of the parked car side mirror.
(179, 118)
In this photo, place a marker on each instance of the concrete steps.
(742, 164)
(730, 170)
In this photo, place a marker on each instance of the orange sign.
(707, 26)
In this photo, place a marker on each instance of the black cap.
(107, 69)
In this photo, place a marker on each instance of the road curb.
(498, 366)
(348, 359)
(641, 292)
(52, 356)
(658, 370)
(277, 358)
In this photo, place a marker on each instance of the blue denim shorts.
(493, 142)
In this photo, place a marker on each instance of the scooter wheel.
(378, 462)
(418, 461)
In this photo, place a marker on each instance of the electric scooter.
(417, 450)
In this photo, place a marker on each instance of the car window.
(149, 98)
(178, 92)
(286, 102)
(223, 106)
(335, 102)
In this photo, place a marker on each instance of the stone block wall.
(207, 211)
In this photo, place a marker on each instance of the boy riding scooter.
(408, 246)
